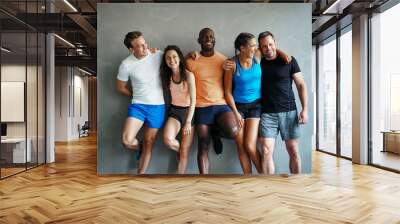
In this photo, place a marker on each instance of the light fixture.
(70, 5)
(337, 7)
(65, 41)
(84, 71)
(80, 51)
(5, 50)
(329, 9)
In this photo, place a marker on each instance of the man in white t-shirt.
(147, 107)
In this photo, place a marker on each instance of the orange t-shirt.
(209, 76)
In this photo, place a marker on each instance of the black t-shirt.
(276, 85)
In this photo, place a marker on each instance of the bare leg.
(250, 142)
(243, 157)
(149, 139)
(268, 166)
(171, 130)
(292, 146)
(203, 132)
(129, 132)
(227, 125)
(184, 151)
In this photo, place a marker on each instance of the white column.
(50, 92)
(50, 110)
(360, 90)
(314, 95)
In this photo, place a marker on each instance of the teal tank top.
(247, 82)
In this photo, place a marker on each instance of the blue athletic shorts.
(208, 115)
(153, 116)
(287, 123)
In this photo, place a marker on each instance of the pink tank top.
(180, 94)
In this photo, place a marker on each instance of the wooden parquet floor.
(70, 191)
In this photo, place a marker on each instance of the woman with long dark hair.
(180, 85)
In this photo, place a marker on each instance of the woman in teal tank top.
(242, 86)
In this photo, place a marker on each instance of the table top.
(13, 140)
(391, 132)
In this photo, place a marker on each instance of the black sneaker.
(216, 139)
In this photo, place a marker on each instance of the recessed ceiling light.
(84, 71)
(5, 50)
(337, 7)
(64, 40)
(70, 5)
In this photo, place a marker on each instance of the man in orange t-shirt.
(211, 107)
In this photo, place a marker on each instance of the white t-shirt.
(145, 78)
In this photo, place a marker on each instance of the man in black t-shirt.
(279, 112)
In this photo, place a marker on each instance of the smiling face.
(268, 47)
(248, 50)
(207, 40)
(172, 59)
(139, 47)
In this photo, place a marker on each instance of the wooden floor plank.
(70, 191)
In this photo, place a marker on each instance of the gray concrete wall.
(164, 24)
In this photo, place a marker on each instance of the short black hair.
(131, 36)
(243, 39)
(265, 34)
(202, 31)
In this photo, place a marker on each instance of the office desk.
(13, 150)
(391, 141)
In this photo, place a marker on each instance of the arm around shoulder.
(192, 93)
(258, 55)
(192, 85)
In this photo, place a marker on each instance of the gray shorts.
(287, 123)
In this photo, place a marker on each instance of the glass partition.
(22, 87)
(346, 93)
(327, 96)
(14, 153)
(385, 89)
